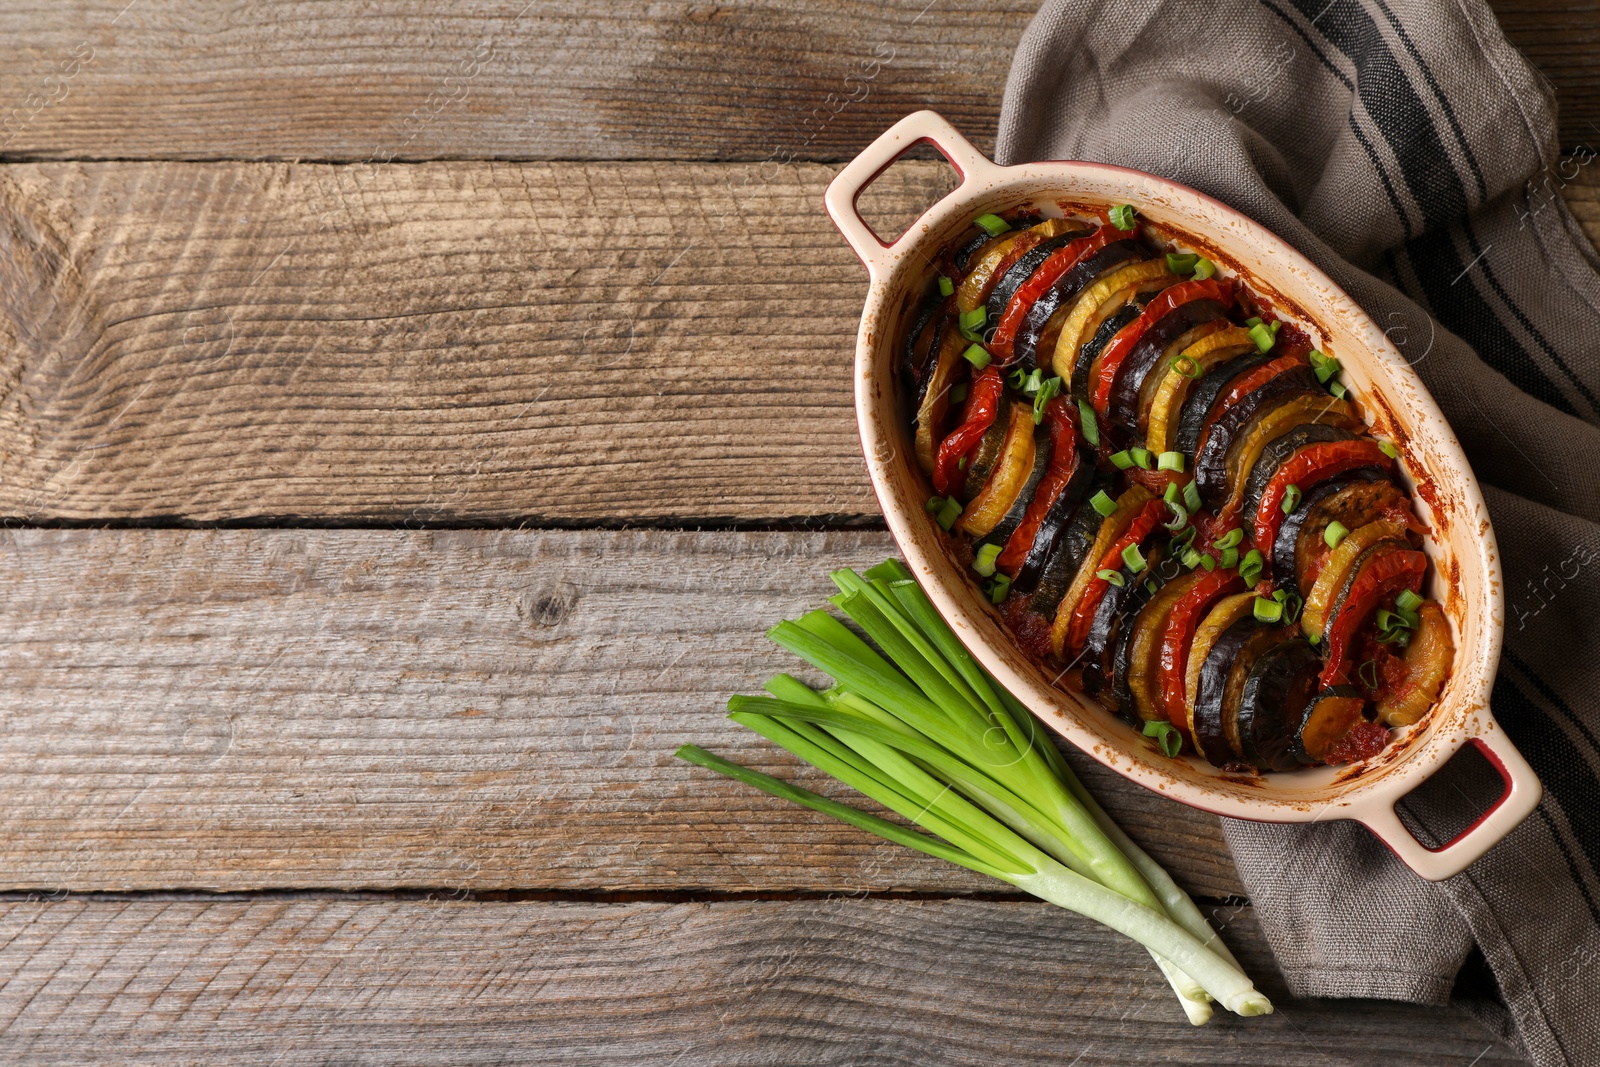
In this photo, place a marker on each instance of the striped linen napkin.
(1408, 150)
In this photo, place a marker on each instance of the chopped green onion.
(1133, 558)
(1292, 605)
(1181, 262)
(1102, 502)
(1032, 384)
(1172, 494)
(1335, 532)
(1207, 562)
(1338, 390)
(1191, 496)
(1017, 378)
(1122, 216)
(1166, 735)
(933, 503)
(1048, 390)
(1408, 601)
(994, 225)
(948, 512)
(1231, 539)
(1110, 577)
(1267, 610)
(1251, 566)
(998, 587)
(1142, 457)
(1203, 269)
(961, 464)
(1263, 337)
(1189, 558)
(1324, 366)
(1315, 639)
(984, 564)
(1091, 428)
(1151, 587)
(1170, 461)
(958, 393)
(1183, 540)
(1368, 673)
(1180, 516)
(1229, 558)
(974, 319)
(977, 355)
(1122, 460)
(1187, 366)
(1253, 320)
(1291, 499)
(946, 286)
(1388, 448)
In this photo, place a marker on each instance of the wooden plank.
(841, 981)
(433, 343)
(237, 709)
(1561, 38)
(506, 79)
(479, 79)
(439, 343)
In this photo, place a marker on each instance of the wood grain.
(237, 709)
(431, 343)
(479, 79)
(490, 79)
(435, 344)
(841, 981)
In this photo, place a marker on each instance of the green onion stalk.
(919, 726)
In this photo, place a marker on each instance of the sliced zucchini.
(994, 500)
(1427, 662)
(1286, 547)
(1129, 504)
(1098, 302)
(1336, 570)
(934, 403)
(1019, 506)
(1202, 356)
(1196, 410)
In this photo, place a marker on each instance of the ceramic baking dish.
(1466, 573)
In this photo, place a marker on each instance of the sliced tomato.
(1119, 347)
(1049, 272)
(1083, 615)
(1246, 384)
(1063, 420)
(1307, 467)
(983, 404)
(1381, 580)
(1172, 666)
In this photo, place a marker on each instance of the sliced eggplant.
(1110, 326)
(1203, 396)
(1278, 452)
(919, 346)
(1170, 334)
(1098, 301)
(933, 403)
(1055, 523)
(992, 263)
(1143, 681)
(1228, 423)
(1270, 422)
(1427, 662)
(1205, 356)
(1223, 614)
(994, 500)
(1129, 505)
(1218, 684)
(1114, 617)
(984, 457)
(1285, 567)
(1362, 499)
(1072, 548)
(1273, 702)
(1329, 716)
(976, 237)
(1023, 269)
(1036, 336)
(1019, 507)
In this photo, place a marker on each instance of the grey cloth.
(1405, 147)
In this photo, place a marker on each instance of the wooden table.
(410, 423)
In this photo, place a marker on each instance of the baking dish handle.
(922, 127)
(1521, 796)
